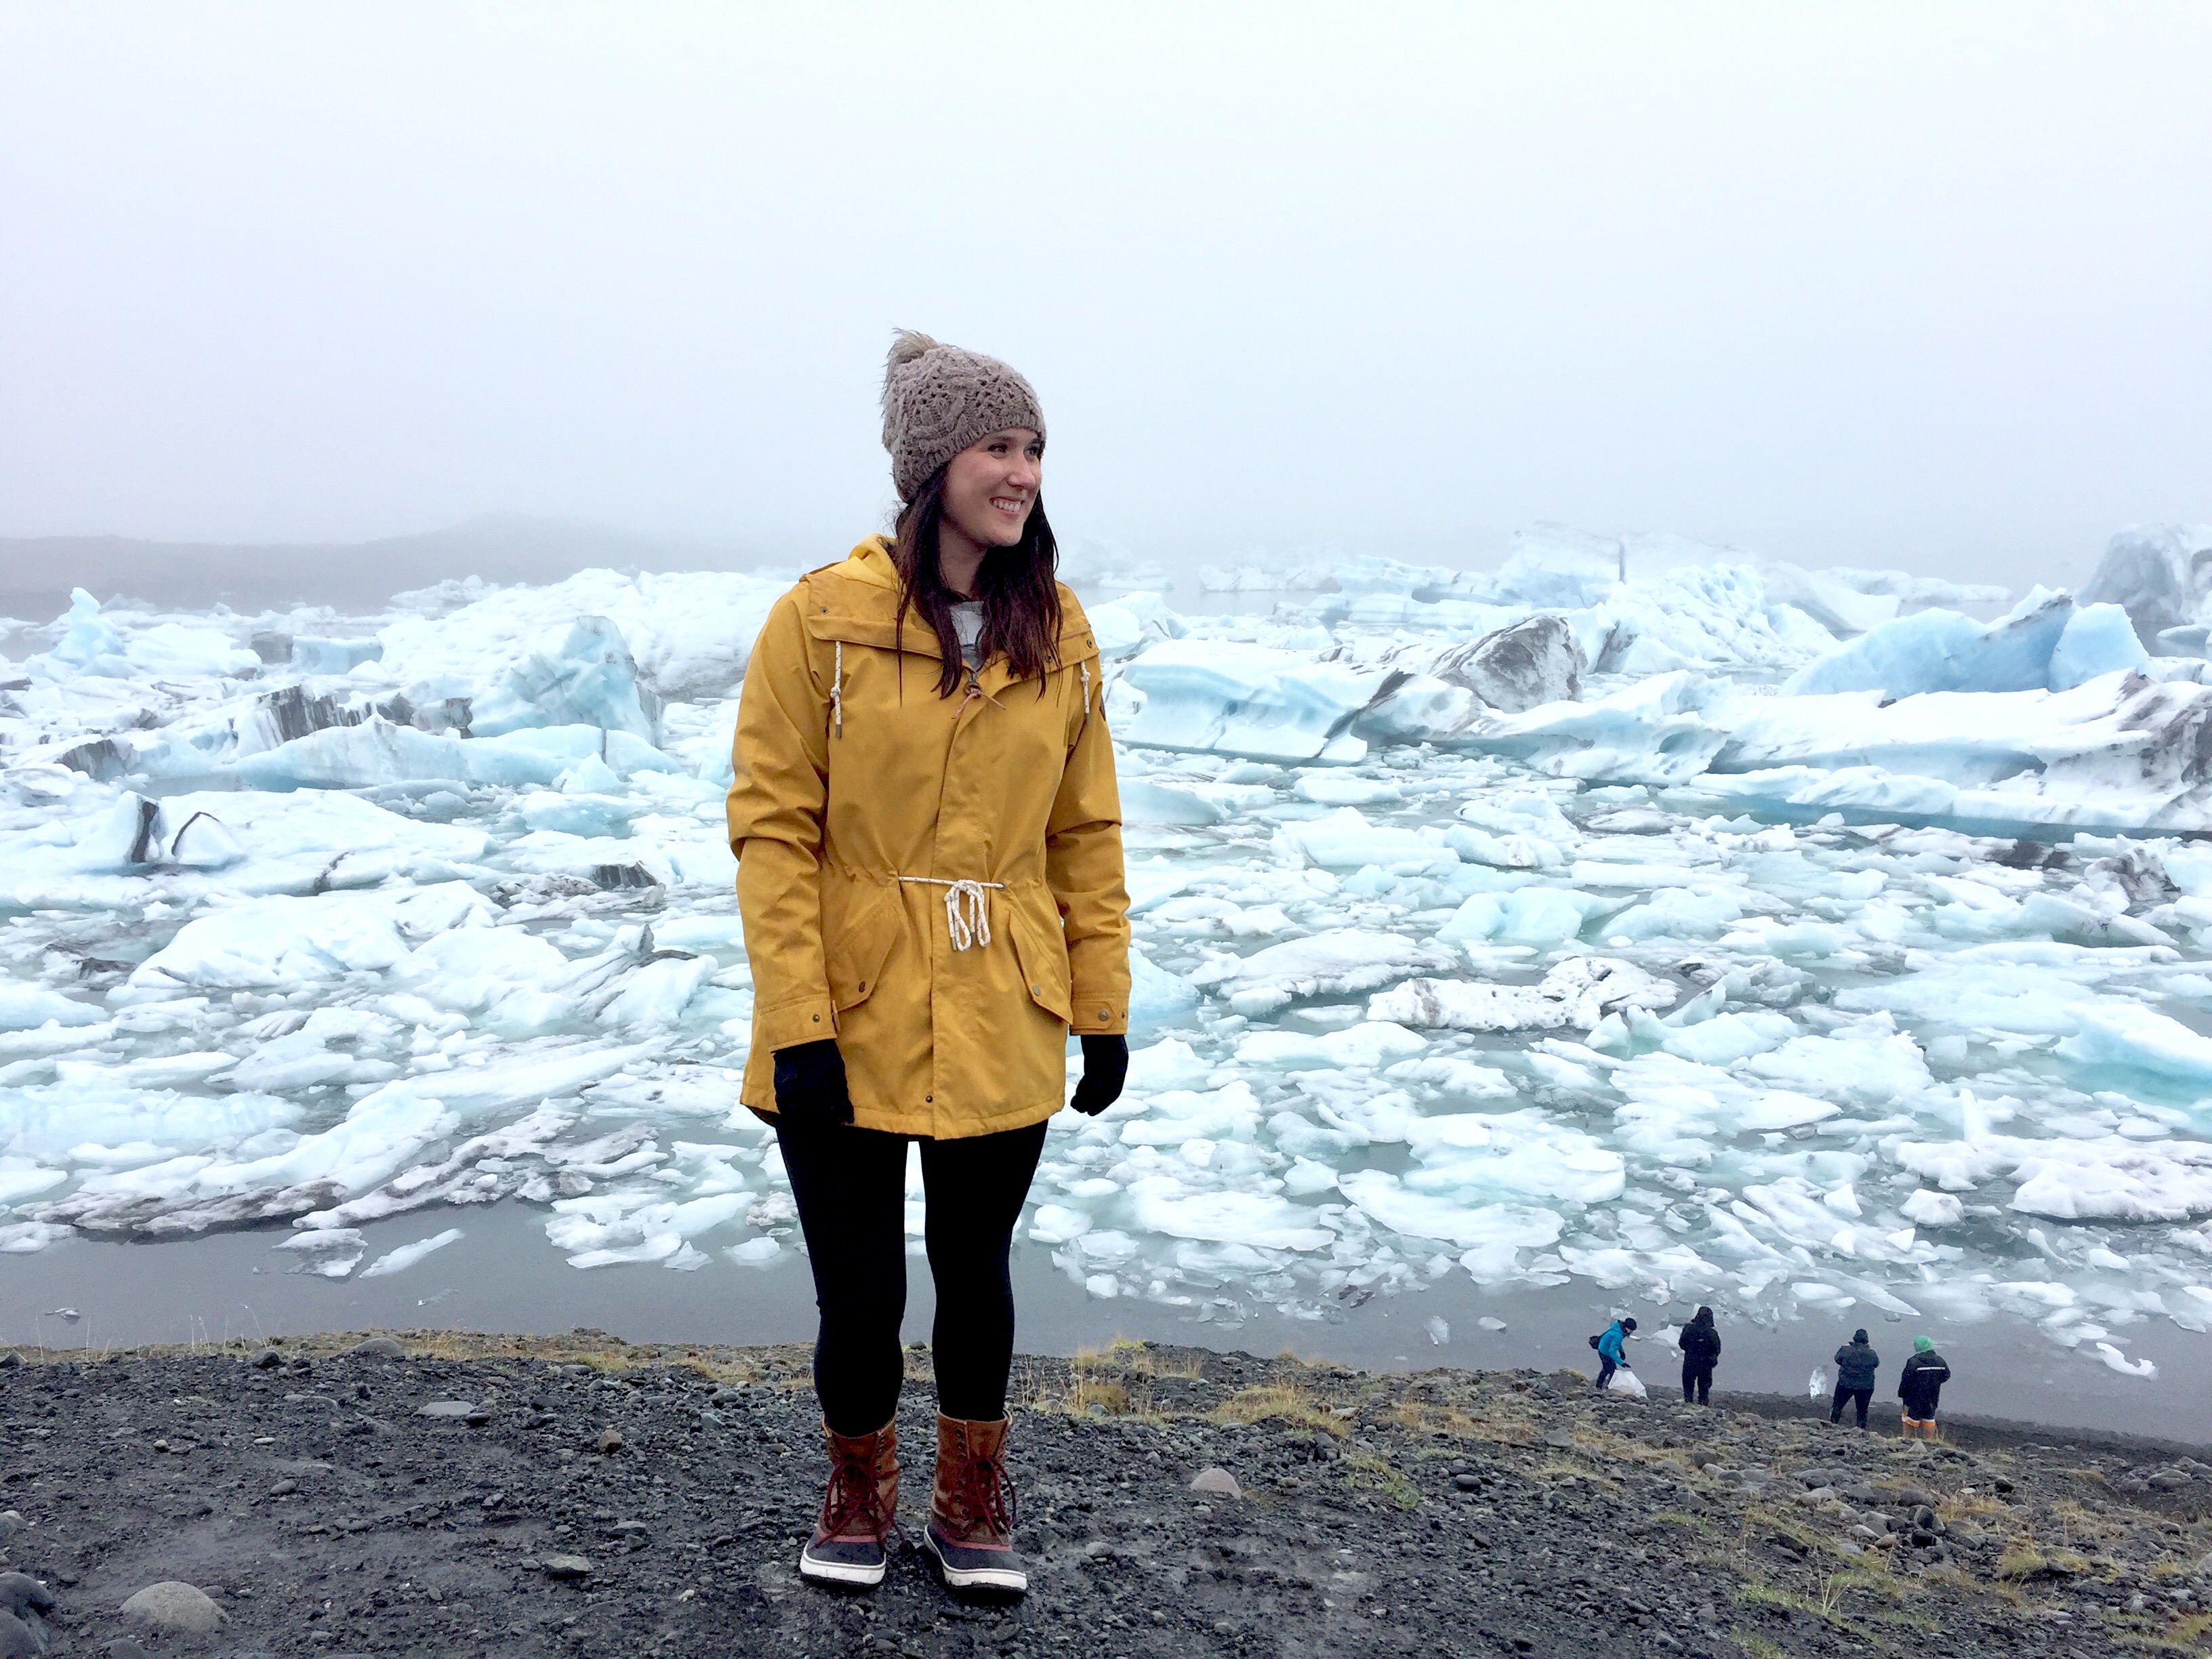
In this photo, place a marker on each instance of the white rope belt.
(966, 908)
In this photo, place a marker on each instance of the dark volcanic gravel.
(577, 1495)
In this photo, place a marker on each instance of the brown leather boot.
(973, 1510)
(859, 1510)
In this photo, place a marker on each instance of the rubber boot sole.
(988, 1581)
(840, 1574)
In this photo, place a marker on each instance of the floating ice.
(400, 1260)
(590, 680)
(1328, 965)
(1579, 992)
(1943, 651)
(1501, 923)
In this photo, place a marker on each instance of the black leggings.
(1698, 1380)
(850, 1188)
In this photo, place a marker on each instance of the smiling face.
(990, 487)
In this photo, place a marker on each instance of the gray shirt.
(968, 623)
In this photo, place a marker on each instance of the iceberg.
(590, 680)
(1944, 651)
(2157, 574)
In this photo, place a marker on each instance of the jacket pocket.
(857, 942)
(1040, 947)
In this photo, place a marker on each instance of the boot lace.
(855, 1501)
(983, 1499)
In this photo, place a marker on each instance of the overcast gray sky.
(1915, 285)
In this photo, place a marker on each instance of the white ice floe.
(399, 1261)
(1511, 924)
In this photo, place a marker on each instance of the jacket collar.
(856, 601)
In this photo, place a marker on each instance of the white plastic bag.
(1817, 1384)
(1627, 1381)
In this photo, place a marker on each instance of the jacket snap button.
(929, 1100)
(817, 1019)
(1105, 1013)
(1037, 990)
(863, 985)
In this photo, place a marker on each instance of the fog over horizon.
(1873, 286)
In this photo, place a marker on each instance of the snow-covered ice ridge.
(1733, 932)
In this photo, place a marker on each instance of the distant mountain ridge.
(38, 572)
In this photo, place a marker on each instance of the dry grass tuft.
(1957, 1506)
(1288, 1401)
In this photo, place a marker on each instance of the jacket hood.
(869, 563)
(856, 600)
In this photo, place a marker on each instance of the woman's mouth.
(1008, 505)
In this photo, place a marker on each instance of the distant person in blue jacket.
(1610, 1358)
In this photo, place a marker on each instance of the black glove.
(810, 1084)
(1105, 1069)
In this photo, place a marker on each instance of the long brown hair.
(1017, 585)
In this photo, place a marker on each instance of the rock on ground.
(1446, 1513)
(175, 1607)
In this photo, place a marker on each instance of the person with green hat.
(1918, 1385)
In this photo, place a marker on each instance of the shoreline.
(793, 1361)
(501, 1276)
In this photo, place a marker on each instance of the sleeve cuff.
(806, 1019)
(1097, 1014)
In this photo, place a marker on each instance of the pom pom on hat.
(908, 346)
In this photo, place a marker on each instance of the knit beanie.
(1923, 1345)
(939, 399)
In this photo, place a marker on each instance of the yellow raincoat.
(860, 803)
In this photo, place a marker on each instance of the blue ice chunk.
(318, 656)
(591, 681)
(90, 644)
(1157, 998)
(2098, 639)
(1237, 699)
(1944, 651)
(27, 1007)
(2141, 1039)
(378, 751)
(1531, 915)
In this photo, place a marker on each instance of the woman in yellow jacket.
(929, 867)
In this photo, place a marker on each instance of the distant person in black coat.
(1700, 1344)
(1855, 1364)
(1918, 1386)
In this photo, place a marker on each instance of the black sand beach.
(438, 1492)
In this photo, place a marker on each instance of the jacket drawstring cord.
(837, 693)
(967, 908)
